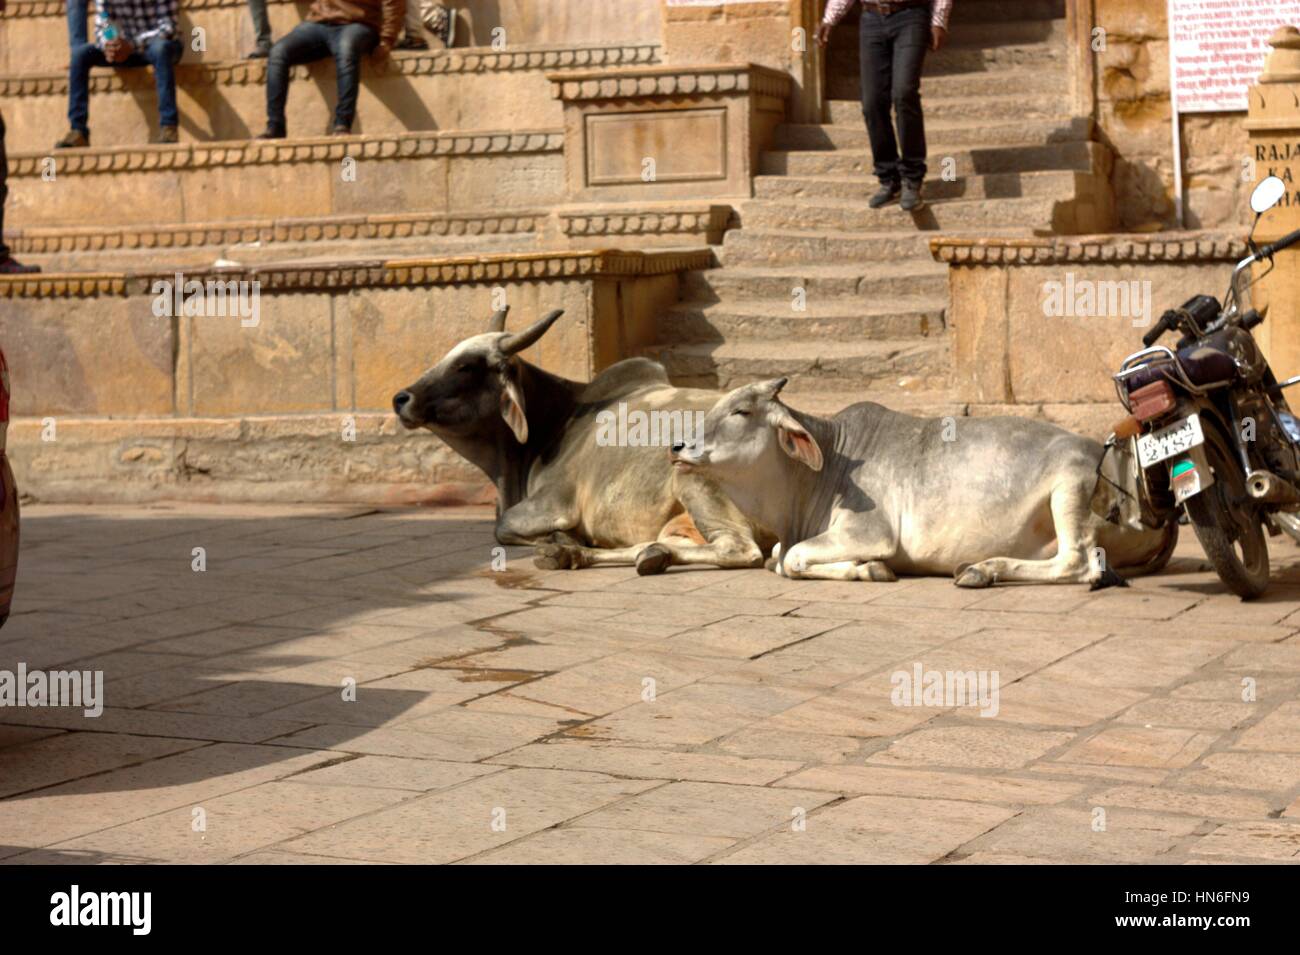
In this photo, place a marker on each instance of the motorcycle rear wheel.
(1233, 538)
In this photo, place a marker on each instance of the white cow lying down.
(872, 493)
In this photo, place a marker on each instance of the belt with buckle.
(885, 8)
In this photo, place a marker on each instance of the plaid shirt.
(940, 10)
(138, 21)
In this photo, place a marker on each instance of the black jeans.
(4, 189)
(308, 42)
(892, 52)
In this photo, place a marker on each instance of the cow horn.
(512, 344)
(497, 323)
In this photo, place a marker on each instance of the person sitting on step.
(128, 33)
(893, 38)
(344, 29)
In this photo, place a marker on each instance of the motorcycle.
(1208, 429)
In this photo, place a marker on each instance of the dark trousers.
(261, 23)
(308, 42)
(892, 52)
(4, 190)
(77, 20)
(161, 54)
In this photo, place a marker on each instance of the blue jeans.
(162, 55)
(308, 42)
(261, 23)
(77, 19)
(892, 52)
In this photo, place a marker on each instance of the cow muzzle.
(684, 457)
(402, 408)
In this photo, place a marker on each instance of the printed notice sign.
(1217, 49)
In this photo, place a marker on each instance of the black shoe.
(912, 199)
(260, 53)
(272, 132)
(74, 139)
(409, 42)
(887, 194)
(340, 130)
(10, 267)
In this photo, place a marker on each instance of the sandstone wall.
(557, 21)
(772, 33)
(1133, 112)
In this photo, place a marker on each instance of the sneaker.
(74, 139)
(167, 134)
(440, 21)
(258, 53)
(410, 42)
(888, 193)
(10, 267)
(912, 199)
(272, 132)
(338, 129)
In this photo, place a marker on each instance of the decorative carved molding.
(711, 220)
(1171, 247)
(19, 9)
(324, 228)
(318, 277)
(547, 265)
(318, 149)
(63, 285)
(634, 83)
(253, 72)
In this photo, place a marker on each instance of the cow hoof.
(654, 559)
(877, 571)
(973, 576)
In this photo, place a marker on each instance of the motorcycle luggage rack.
(1139, 360)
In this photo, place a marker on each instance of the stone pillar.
(1081, 19)
(1273, 125)
(774, 33)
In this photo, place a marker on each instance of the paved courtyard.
(351, 685)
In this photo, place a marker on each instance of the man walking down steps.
(893, 38)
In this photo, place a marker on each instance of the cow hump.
(622, 378)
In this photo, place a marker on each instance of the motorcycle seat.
(1203, 364)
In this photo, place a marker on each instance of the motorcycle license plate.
(1178, 438)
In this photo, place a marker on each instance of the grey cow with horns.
(581, 502)
(871, 493)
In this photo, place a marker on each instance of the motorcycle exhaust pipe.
(1267, 488)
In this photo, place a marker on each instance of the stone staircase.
(846, 300)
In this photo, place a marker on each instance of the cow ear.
(512, 409)
(798, 443)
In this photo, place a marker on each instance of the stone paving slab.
(348, 685)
